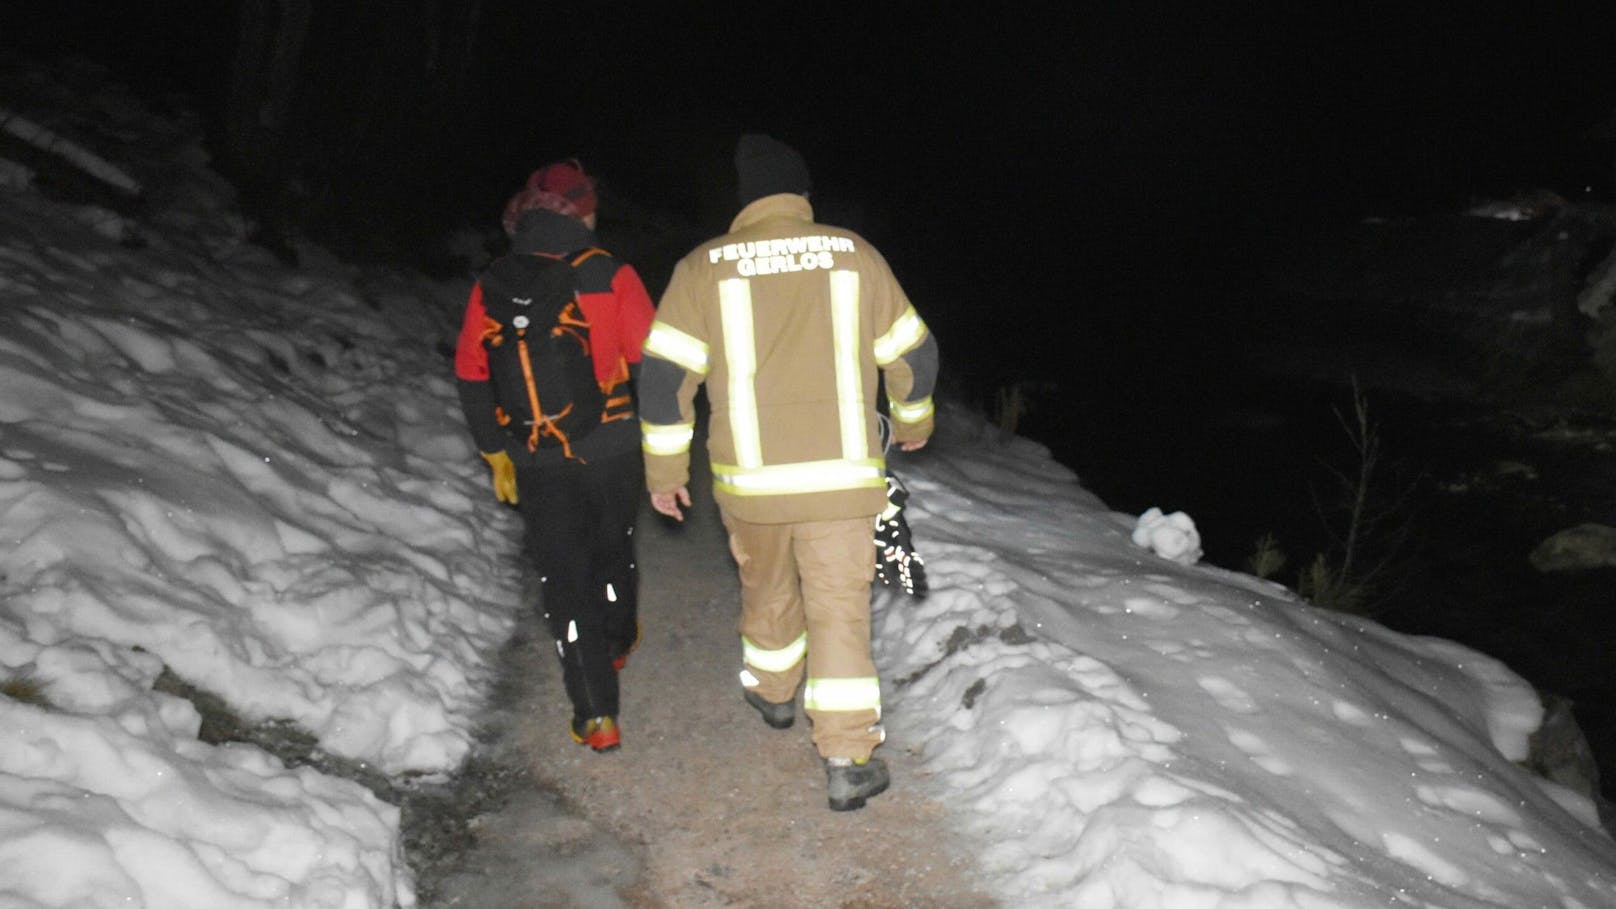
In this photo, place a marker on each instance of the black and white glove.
(896, 561)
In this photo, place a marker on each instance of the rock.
(1505, 471)
(1578, 548)
(1526, 205)
(1558, 750)
(1599, 288)
(1560, 753)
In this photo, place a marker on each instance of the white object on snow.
(1171, 536)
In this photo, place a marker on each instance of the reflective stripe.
(843, 694)
(740, 357)
(673, 345)
(806, 476)
(903, 335)
(844, 313)
(670, 439)
(774, 660)
(912, 412)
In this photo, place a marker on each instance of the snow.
(255, 478)
(251, 477)
(1127, 728)
(1172, 536)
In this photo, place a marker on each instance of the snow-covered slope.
(1124, 730)
(253, 477)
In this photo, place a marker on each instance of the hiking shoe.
(778, 716)
(621, 660)
(599, 733)
(850, 783)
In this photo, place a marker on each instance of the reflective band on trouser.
(774, 660)
(807, 476)
(913, 411)
(667, 439)
(675, 346)
(843, 695)
(844, 303)
(903, 335)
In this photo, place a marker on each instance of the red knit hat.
(560, 187)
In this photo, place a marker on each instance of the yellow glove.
(504, 475)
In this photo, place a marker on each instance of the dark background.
(1110, 176)
(1136, 124)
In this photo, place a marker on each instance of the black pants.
(579, 521)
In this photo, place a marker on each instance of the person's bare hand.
(913, 446)
(668, 502)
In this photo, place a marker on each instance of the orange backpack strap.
(589, 253)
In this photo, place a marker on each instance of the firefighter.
(790, 324)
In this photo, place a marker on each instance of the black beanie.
(765, 166)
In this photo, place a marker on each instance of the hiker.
(788, 322)
(547, 352)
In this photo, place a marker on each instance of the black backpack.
(539, 362)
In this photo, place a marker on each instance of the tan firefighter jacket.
(789, 324)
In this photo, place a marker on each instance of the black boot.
(850, 784)
(778, 716)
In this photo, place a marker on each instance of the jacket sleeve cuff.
(665, 473)
(912, 420)
(912, 432)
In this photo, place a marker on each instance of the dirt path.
(716, 808)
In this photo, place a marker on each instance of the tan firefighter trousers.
(810, 583)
